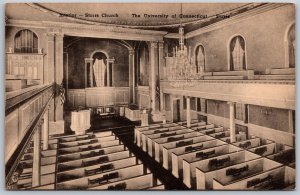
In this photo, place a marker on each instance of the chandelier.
(182, 70)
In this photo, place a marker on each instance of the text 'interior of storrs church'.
(183, 96)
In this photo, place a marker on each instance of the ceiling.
(76, 13)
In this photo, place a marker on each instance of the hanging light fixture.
(181, 67)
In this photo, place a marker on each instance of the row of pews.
(95, 161)
(204, 159)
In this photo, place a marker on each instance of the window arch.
(200, 59)
(291, 46)
(237, 54)
(26, 41)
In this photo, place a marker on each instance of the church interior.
(150, 96)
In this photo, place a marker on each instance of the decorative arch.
(290, 46)
(97, 71)
(99, 51)
(200, 58)
(237, 59)
(26, 41)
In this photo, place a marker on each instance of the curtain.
(292, 44)
(99, 70)
(237, 54)
(200, 59)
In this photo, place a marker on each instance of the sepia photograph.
(150, 96)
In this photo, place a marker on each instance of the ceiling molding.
(140, 25)
(84, 30)
(235, 19)
(172, 36)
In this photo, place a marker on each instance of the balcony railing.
(24, 113)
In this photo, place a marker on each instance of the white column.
(46, 131)
(188, 112)
(153, 72)
(291, 122)
(108, 74)
(162, 101)
(232, 122)
(161, 58)
(59, 74)
(36, 168)
(88, 78)
(110, 64)
(131, 76)
(133, 79)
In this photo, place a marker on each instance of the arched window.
(99, 69)
(26, 42)
(291, 46)
(200, 59)
(237, 58)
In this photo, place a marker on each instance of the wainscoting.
(100, 96)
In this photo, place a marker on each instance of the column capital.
(59, 36)
(111, 60)
(131, 51)
(153, 44)
(50, 37)
(88, 59)
(161, 44)
(231, 103)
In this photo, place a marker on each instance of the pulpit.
(80, 121)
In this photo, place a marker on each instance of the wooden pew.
(204, 127)
(282, 177)
(212, 130)
(93, 146)
(66, 166)
(86, 141)
(139, 130)
(135, 183)
(212, 164)
(198, 143)
(252, 143)
(164, 137)
(285, 157)
(155, 145)
(96, 169)
(238, 137)
(102, 178)
(214, 151)
(194, 124)
(165, 132)
(233, 173)
(44, 153)
(193, 121)
(70, 138)
(88, 154)
(222, 134)
(264, 150)
(145, 134)
(48, 160)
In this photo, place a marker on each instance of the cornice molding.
(235, 19)
(71, 27)
(172, 36)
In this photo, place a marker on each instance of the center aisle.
(126, 135)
